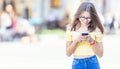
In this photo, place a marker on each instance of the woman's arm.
(97, 43)
(71, 45)
(98, 49)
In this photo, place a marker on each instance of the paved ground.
(111, 58)
(49, 53)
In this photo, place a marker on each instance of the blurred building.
(38, 10)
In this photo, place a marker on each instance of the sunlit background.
(32, 33)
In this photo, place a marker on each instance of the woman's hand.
(82, 38)
(88, 38)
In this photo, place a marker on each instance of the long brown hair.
(95, 22)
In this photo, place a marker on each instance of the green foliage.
(53, 31)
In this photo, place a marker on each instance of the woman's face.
(85, 18)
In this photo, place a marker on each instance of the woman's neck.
(84, 26)
(82, 29)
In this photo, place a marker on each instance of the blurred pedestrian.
(112, 23)
(84, 38)
(6, 22)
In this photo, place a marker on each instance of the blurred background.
(32, 33)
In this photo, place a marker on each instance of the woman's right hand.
(81, 38)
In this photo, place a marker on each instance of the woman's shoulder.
(97, 30)
(68, 27)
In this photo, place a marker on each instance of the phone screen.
(84, 34)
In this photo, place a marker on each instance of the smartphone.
(84, 34)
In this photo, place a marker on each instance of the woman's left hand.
(89, 38)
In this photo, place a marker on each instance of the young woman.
(84, 38)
